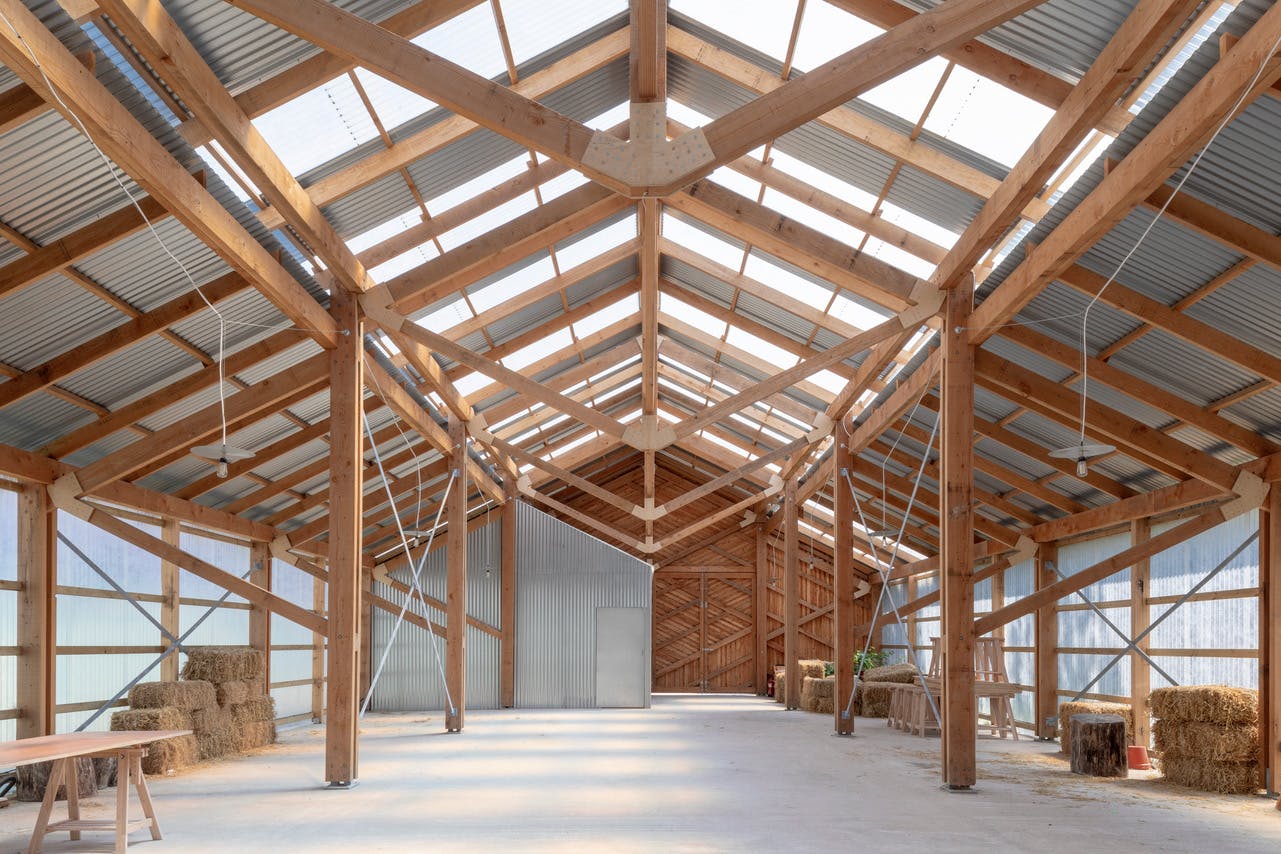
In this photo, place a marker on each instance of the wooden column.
(911, 622)
(456, 579)
(1140, 617)
(760, 608)
(1270, 641)
(365, 662)
(37, 555)
(507, 554)
(956, 538)
(1047, 645)
(318, 654)
(260, 617)
(845, 619)
(791, 597)
(170, 592)
(346, 467)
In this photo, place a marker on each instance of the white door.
(622, 658)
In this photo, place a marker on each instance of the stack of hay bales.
(1067, 710)
(1207, 737)
(873, 693)
(244, 715)
(780, 684)
(222, 698)
(817, 694)
(809, 667)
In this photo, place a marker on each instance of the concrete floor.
(695, 773)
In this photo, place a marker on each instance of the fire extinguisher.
(769, 685)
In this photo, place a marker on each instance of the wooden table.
(63, 750)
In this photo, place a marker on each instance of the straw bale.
(257, 734)
(218, 741)
(902, 673)
(780, 684)
(875, 699)
(253, 711)
(823, 705)
(1067, 710)
(1226, 778)
(172, 754)
(815, 667)
(825, 687)
(233, 693)
(164, 717)
(1209, 742)
(207, 719)
(1211, 704)
(223, 664)
(187, 696)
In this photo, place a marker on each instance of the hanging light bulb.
(1082, 452)
(1082, 467)
(221, 454)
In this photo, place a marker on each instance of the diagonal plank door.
(703, 633)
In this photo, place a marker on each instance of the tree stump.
(32, 780)
(1098, 745)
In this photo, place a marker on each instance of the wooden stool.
(1098, 745)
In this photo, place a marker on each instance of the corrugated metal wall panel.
(562, 577)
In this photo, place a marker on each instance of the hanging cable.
(414, 586)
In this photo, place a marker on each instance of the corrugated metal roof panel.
(1248, 308)
(47, 318)
(144, 275)
(1190, 372)
(39, 419)
(150, 363)
(527, 318)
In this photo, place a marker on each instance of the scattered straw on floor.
(1217, 704)
(188, 696)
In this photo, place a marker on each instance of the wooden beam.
(261, 574)
(456, 580)
(162, 43)
(1163, 150)
(1140, 618)
(507, 605)
(649, 221)
(956, 535)
(20, 104)
(171, 593)
(346, 458)
(843, 628)
(1147, 29)
(1270, 641)
(1046, 650)
(791, 596)
(760, 606)
(37, 611)
(84, 100)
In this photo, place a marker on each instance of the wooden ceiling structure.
(653, 432)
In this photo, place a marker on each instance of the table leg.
(122, 802)
(144, 795)
(71, 778)
(56, 773)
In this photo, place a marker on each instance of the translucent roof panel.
(765, 25)
(511, 286)
(532, 31)
(771, 353)
(591, 245)
(686, 313)
(827, 32)
(470, 40)
(986, 117)
(394, 104)
(527, 355)
(803, 213)
(335, 119)
(404, 262)
(621, 310)
(697, 240)
(479, 184)
(907, 95)
(489, 220)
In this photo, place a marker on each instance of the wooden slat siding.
(346, 443)
(1047, 642)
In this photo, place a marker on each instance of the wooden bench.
(63, 750)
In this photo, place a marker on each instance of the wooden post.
(1140, 617)
(317, 655)
(37, 555)
(791, 598)
(170, 607)
(507, 554)
(1270, 641)
(761, 608)
(956, 538)
(346, 469)
(1047, 645)
(843, 645)
(260, 617)
(456, 580)
(364, 674)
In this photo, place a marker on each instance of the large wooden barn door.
(703, 632)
